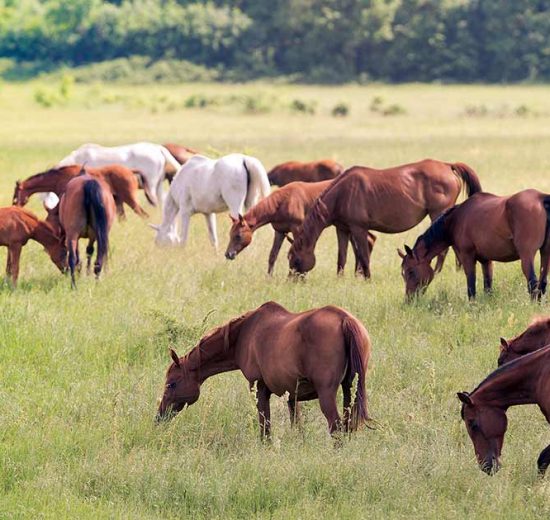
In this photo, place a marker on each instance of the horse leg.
(528, 268)
(294, 411)
(12, 268)
(487, 268)
(544, 266)
(134, 205)
(346, 390)
(327, 401)
(212, 232)
(343, 238)
(469, 264)
(544, 460)
(73, 246)
(119, 208)
(361, 248)
(278, 240)
(89, 253)
(185, 218)
(264, 413)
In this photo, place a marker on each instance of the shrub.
(303, 107)
(394, 110)
(340, 110)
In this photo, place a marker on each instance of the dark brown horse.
(486, 228)
(121, 181)
(308, 354)
(285, 209)
(87, 210)
(390, 201)
(181, 153)
(294, 171)
(536, 336)
(17, 227)
(523, 381)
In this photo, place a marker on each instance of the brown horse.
(285, 209)
(181, 153)
(294, 171)
(523, 381)
(87, 210)
(390, 201)
(513, 228)
(536, 336)
(308, 354)
(121, 180)
(17, 227)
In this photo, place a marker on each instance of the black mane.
(437, 232)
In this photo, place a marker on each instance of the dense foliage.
(315, 40)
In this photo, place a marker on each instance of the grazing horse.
(293, 171)
(153, 161)
(121, 181)
(87, 210)
(181, 153)
(285, 209)
(536, 336)
(210, 186)
(307, 354)
(17, 227)
(389, 201)
(513, 228)
(523, 381)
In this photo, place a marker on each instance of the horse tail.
(96, 215)
(144, 183)
(358, 350)
(258, 183)
(468, 176)
(170, 159)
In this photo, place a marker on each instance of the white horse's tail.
(258, 186)
(170, 159)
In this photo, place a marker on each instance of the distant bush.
(377, 106)
(304, 107)
(48, 97)
(500, 111)
(340, 110)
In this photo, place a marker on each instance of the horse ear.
(175, 357)
(464, 397)
(241, 219)
(233, 219)
(156, 227)
(504, 345)
(400, 253)
(408, 250)
(18, 184)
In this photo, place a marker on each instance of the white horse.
(153, 161)
(210, 186)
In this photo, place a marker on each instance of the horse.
(181, 153)
(153, 161)
(536, 336)
(307, 354)
(87, 210)
(293, 171)
(285, 209)
(121, 181)
(389, 201)
(17, 227)
(513, 228)
(210, 186)
(522, 381)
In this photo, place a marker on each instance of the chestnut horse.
(294, 171)
(523, 381)
(285, 209)
(87, 210)
(307, 354)
(181, 153)
(390, 201)
(121, 181)
(17, 227)
(536, 336)
(513, 228)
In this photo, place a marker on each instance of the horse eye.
(474, 426)
(171, 385)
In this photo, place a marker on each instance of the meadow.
(81, 371)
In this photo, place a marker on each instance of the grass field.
(80, 371)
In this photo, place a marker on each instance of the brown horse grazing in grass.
(285, 209)
(307, 354)
(486, 228)
(294, 171)
(181, 153)
(87, 210)
(523, 381)
(17, 227)
(121, 180)
(390, 201)
(536, 336)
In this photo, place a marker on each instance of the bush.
(394, 110)
(340, 110)
(303, 107)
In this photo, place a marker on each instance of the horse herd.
(307, 355)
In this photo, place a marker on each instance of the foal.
(285, 209)
(17, 227)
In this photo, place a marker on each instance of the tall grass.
(81, 370)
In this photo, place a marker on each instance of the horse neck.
(264, 212)
(435, 248)
(317, 219)
(44, 234)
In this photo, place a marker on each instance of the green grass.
(80, 371)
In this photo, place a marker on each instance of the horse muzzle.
(490, 466)
(230, 255)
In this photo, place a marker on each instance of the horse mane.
(266, 206)
(54, 169)
(437, 232)
(512, 365)
(540, 321)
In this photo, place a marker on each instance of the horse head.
(20, 197)
(536, 336)
(416, 271)
(240, 236)
(300, 259)
(165, 237)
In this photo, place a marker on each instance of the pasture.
(81, 371)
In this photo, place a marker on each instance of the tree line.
(310, 40)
